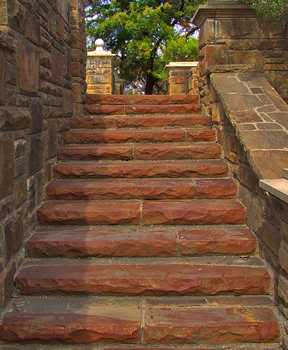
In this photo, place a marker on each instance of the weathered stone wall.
(241, 56)
(231, 33)
(255, 145)
(42, 78)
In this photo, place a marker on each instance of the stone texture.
(177, 151)
(28, 65)
(138, 279)
(193, 212)
(141, 189)
(134, 135)
(216, 241)
(210, 326)
(7, 166)
(103, 242)
(136, 109)
(89, 322)
(263, 139)
(154, 151)
(149, 121)
(143, 169)
(142, 100)
(277, 187)
(101, 151)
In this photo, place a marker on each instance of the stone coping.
(221, 9)
(277, 187)
(260, 118)
(182, 64)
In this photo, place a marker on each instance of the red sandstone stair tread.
(141, 99)
(177, 151)
(142, 189)
(141, 108)
(210, 325)
(216, 241)
(258, 346)
(207, 212)
(90, 212)
(103, 242)
(137, 169)
(154, 151)
(101, 151)
(82, 322)
(125, 242)
(146, 120)
(201, 212)
(140, 135)
(141, 279)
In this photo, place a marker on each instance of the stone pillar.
(179, 74)
(232, 34)
(99, 73)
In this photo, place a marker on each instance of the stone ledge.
(221, 9)
(276, 187)
(285, 173)
(259, 116)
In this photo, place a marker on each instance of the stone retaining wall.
(42, 79)
(241, 58)
(253, 130)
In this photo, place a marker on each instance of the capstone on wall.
(42, 82)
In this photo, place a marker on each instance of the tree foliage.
(145, 34)
(273, 9)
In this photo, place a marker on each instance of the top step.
(141, 99)
(141, 104)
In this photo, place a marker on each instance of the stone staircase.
(142, 242)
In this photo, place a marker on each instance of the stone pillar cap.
(221, 9)
(99, 49)
(182, 64)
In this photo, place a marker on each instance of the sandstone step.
(140, 135)
(102, 212)
(134, 278)
(30, 346)
(141, 108)
(136, 169)
(142, 189)
(138, 151)
(140, 242)
(141, 99)
(79, 321)
(143, 121)
(211, 325)
(88, 320)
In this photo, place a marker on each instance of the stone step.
(38, 346)
(113, 212)
(139, 241)
(141, 99)
(138, 151)
(142, 189)
(140, 135)
(135, 278)
(142, 108)
(136, 121)
(88, 320)
(148, 169)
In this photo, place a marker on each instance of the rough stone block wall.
(238, 36)
(42, 80)
(255, 139)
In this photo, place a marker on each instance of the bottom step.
(84, 320)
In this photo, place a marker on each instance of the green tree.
(145, 34)
(273, 9)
